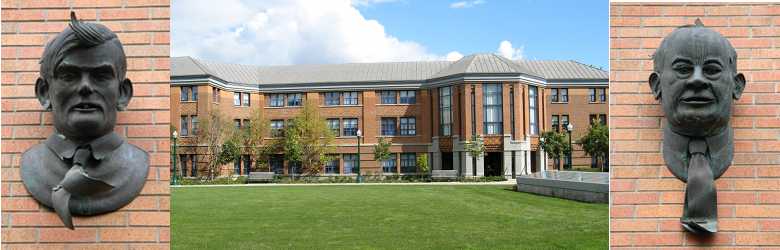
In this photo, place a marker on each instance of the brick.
(635, 198)
(758, 239)
(14, 235)
(79, 234)
(150, 218)
(138, 234)
(630, 225)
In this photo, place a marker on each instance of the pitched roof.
(564, 70)
(382, 72)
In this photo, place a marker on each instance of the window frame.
(564, 92)
(408, 128)
(184, 126)
(351, 131)
(445, 125)
(554, 95)
(407, 97)
(276, 100)
(388, 97)
(293, 97)
(277, 131)
(406, 160)
(328, 98)
(236, 99)
(384, 126)
(348, 98)
(337, 132)
(390, 163)
(493, 127)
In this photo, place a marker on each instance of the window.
(215, 94)
(602, 95)
(237, 166)
(592, 95)
(555, 124)
(350, 127)
(237, 123)
(189, 93)
(183, 159)
(350, 98)
(277, 164)
(532, 110)
(408, 97)
(245, 99)
(565, 122)
(185, 126)
(408, 162)
(332, 166)
(564, 95)
(388, 166)
(601, 118)
(245, 123)
(493, 111)
(277, 127)
(295, 167)
(388, 126)
(445, 114)
(350, 163)
(294, 100)
(236, 99)
(388, 97)
(247, 164)
(194, 170)
(333, 125)
(194, 120)
(276, 100)
(332, 98)
(408, 126)
(553, 95)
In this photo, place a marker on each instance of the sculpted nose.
(697, 80)
(85, 86)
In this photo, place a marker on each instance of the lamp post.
(359, 178)
(569, 128)
(174, 180)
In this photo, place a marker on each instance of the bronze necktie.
(700, 210)
(76, 182)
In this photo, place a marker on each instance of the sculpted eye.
(712, 70)
(67, 76)
(682, 69)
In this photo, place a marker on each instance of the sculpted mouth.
(697, 100)
(86, 107)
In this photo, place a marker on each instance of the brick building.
(143, 27)
(420, 107)
(646, 200)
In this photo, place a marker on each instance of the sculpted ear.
(125, 94)
(739, 81)
(655, 85)
(42, 93)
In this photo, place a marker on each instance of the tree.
(422, 164)
(382, 150)
(252, 138)
(307, 140)
(475, 147)
(214, 132)
(596, 142)
(555, 144)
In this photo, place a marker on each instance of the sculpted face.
(697, 81)
(86, 92)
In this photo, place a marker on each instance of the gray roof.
(382, 72)
(564, 70)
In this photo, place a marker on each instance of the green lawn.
(381, 217)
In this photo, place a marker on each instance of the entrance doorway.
(494, 163)
(534, 162)
(446, 161)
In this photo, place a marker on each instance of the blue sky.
(284, 32)
(562, 30)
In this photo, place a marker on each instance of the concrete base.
(566, 189)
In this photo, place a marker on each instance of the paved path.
(509, 182)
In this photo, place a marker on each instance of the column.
(456, 161)
(508, 164)
(520, 167)
(481, 165)
(468, 169)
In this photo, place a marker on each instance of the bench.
(260, 177)
(444, 175)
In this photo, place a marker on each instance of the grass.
(382, 217)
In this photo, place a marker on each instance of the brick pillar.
(27, 27)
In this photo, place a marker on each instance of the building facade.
(427, 107)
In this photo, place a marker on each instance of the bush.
(216, 181)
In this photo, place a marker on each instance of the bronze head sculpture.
(84, 167)
(696, 80)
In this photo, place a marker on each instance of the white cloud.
(453, 56)
(278, 32)
(466, 4)
(505, 49)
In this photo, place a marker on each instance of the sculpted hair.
(79, 34)
(686, 30)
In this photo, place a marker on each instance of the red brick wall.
(646, 200)
(143, 27)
